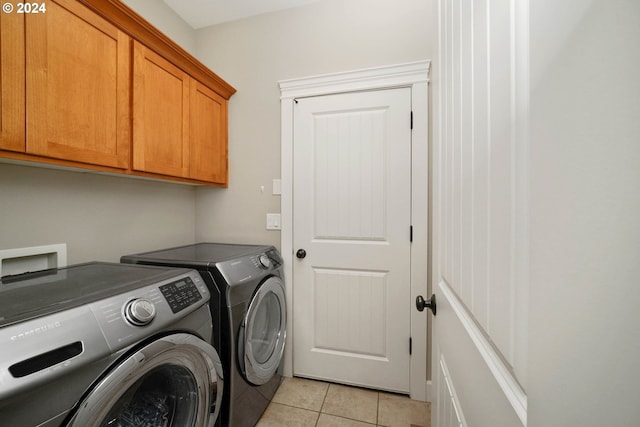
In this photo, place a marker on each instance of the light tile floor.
(302, 402)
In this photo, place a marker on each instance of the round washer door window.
(173, 381)
(264, 332)
(165, 396)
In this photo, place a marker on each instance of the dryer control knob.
(264, 261)
(139, 312)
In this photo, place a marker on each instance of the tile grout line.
(377, 407)
(293, 406)
(322, 406)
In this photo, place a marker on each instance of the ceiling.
(202, 13)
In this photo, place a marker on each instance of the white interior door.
(352, 213)
(480, 214)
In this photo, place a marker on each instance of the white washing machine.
(102, 344)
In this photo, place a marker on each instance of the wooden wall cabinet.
(179, 125)
(208, 124)
(107, 91)
(160, 115)
(77, 78)
(12, 92)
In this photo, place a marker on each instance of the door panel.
(77, 86)
(447, 398)
(352, 201)
(480, 231)
(160, 114)
(208, 135)
(463, 375)
(343, 323)
(12, 92)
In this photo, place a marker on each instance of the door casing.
(416, 76)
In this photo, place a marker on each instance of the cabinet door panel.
(160, 115)
(12, 115)
(78, 100)
(208, 123)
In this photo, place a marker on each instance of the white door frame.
(416, 76)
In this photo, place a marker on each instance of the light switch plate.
(273, 221)
(277, 187)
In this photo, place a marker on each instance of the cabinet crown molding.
(128, 21)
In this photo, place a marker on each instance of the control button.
(264, 261)
(139, 312)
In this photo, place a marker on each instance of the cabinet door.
(208, 123)
(160, 115)
(12, 115)
(78, 96)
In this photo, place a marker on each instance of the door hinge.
(412, 120)
(410, 345)
(411, 233)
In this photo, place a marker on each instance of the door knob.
(430, 303)
(301, 253)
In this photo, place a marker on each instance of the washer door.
(262, 338)
(173, 381)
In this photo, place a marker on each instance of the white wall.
(584, 328)
(254, 54)
(99, 217)
(166, 20)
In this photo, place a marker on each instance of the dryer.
(248, 296)
(105, 344)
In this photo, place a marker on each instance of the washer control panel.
(131, 316)
(180, 294)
